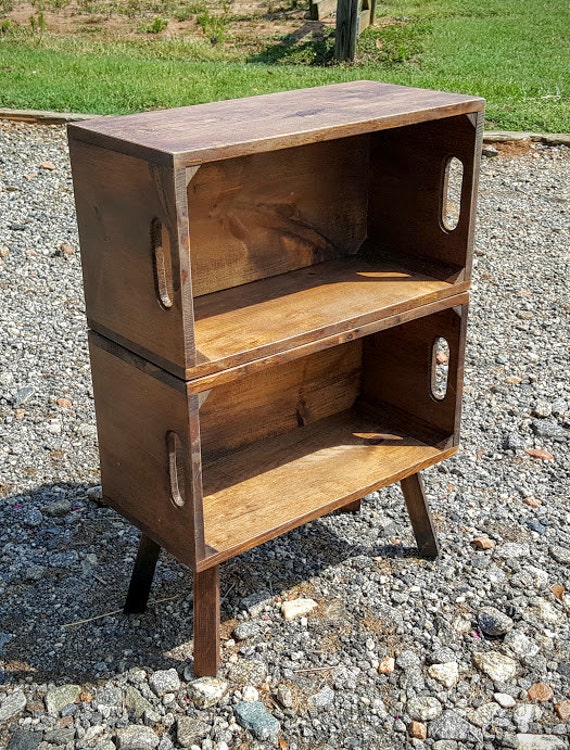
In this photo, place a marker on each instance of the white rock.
(521, 644)
(495, 665)
(525, 714)
(424, 708)
(539, 576)
(504, 700)
(297, 608)
(165, 681)
(206, 691)
(512, 550)
(447, 673)
(541, 742)
(92, 733)
(249, 693)
(547, 612)
(137, 737)
(11, 705)
(484, 715)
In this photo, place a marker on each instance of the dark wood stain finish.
(265, 280)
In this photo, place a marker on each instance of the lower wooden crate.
(271, 450)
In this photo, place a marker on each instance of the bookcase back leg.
(207, 622)
(143, 573)
(352, 507)
(420, 516)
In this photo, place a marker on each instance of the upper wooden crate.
(220, 235)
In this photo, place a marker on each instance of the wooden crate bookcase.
(265, 280)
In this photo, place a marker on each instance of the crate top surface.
(200, 133)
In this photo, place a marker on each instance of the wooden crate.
(265, 281)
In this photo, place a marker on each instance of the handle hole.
(175, 469)
(439, 368)
(452, 186)
(162, 261)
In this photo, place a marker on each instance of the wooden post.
(346, 29)
(207, 622)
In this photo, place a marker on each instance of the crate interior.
(299, 439)
(291, 245)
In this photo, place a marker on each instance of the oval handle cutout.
(439, 368)
(162, 262)
(175, 469)
(452, 186)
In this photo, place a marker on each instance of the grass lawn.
(106, 56)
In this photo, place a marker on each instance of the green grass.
(516, 55)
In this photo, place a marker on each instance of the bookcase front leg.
(207, 622)
(143, 573)
(420, 516)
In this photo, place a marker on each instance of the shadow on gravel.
(64, 574)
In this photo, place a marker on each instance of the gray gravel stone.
(256, 718)
(246, 630)
(11, 705)
(165, 681)
(541, 742)
(375, 602)
(425, 708)
(135, 701)
(136, 737)
(560, 554)
(24, 740)
(451, 726)
(493, 622)
(61, 696)
(191, 731)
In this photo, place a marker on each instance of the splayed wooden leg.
(141, 579)
(420, 516)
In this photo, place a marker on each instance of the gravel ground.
(472, 650)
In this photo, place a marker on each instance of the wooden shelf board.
(259, 492)
(221, 130)
(266, 317)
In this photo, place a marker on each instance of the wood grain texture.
(267, 214)
(261, 491)
(135, 412)
(200, 383)
(267, 316)
(399, 369)
(420, 516)
(407, 176)
(280, 399)
(223, 130)
(207, 622)
(120, 201)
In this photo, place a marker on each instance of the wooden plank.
(363, 21)
(265, 317)
(407, 184)
(346, 30)
(270, 213)
(280, 399)
(135, 412)
(222, 130)
(119, 201)
(398, 369)
(322, 9)
(420, 516)
(207, 622)
(261, 491)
